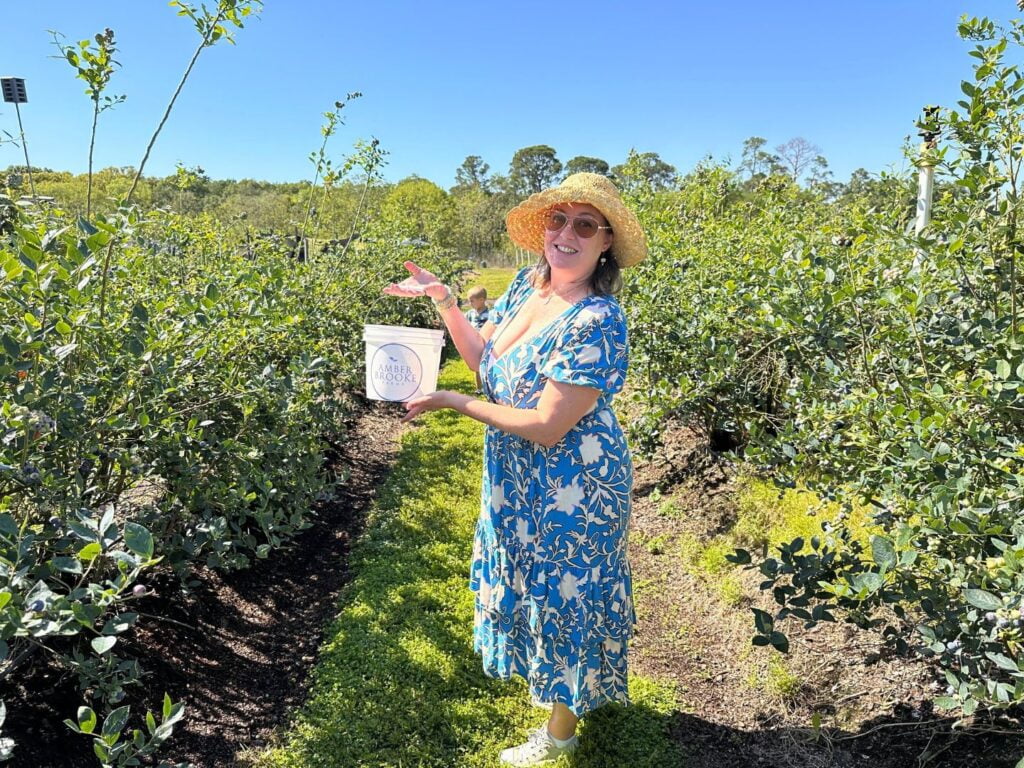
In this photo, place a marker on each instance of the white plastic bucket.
(401, 363)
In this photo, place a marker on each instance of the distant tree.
(797, 154)
(859, 181)
(478, 223)
(584, 164)
(647, 166)
(756, 162)
(533, 169)
(418, 208)
(896, 194)
(472, 174)
(26, 169)
(820, 178)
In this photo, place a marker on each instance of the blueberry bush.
(835, 348)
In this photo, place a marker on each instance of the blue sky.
(445, 80)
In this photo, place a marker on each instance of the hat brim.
(525, 222)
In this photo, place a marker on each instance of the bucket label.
(395, 372)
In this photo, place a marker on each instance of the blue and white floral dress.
(553, 590)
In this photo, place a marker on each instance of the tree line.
(468, 217)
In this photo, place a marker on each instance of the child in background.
(477, 314)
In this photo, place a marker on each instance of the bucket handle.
(373, 305)
(376, 302)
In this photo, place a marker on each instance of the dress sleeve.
(593, 352)
(508, 299)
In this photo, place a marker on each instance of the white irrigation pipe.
(925, 189)
(925, 178)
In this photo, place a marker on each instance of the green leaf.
(917, 452)
(883, 552)
(67, 564)
(8, 525)
(1003, 369)
(89, 551)
(135, 345)
(103, 644)
(119, 623)
(739, 557)
(946, 702)
(979, 598)
(779, 641)
(11, 347)
(116, 721)
(86, 719)
(175, 714)
(869, 580)
(763, 621)
(1003, 662)
(139, 540)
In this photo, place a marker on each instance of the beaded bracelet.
(446, 303)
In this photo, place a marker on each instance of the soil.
(238, 650)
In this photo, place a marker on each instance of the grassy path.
(397, 683)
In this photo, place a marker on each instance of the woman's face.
(574, 256)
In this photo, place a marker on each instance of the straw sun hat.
(525, 222)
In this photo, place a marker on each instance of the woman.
(552, 582)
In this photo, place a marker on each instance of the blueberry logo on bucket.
(396, 372)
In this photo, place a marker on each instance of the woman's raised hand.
(419, 283)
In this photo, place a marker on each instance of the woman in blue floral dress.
(550, 572)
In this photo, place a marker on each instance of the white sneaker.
(537, 750)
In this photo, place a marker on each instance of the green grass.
(494, 279)
(764, 517)
(776, 680)
(767, 516)
(397, 683)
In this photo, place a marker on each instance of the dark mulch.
(874, 707)
(239, 648)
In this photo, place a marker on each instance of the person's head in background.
(478, 298)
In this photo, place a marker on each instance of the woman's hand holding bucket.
(420, 283)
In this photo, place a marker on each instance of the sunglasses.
(583, 227)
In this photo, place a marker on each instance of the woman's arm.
(468, 340)
(558, 410)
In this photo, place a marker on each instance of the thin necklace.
(553, 292)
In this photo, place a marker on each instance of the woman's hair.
(605, 281)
